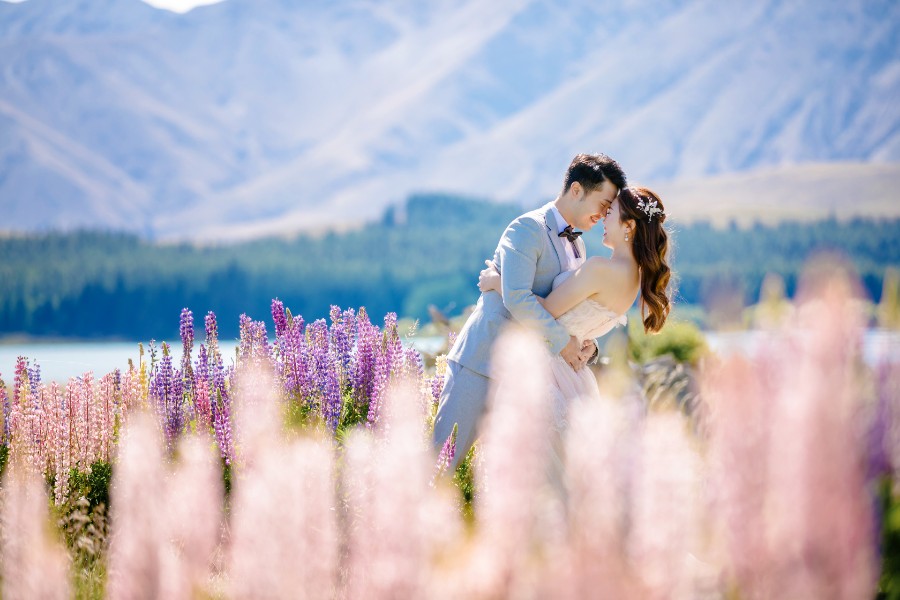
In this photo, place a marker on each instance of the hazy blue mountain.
(259, 116)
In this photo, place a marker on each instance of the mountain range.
(256, 117)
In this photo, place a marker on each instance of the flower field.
(303, 468)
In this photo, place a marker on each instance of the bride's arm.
(578, 287)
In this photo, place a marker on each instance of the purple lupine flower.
(414, 366)
(187, 331)
(332, 402)
(381, 374)
(221, 408)
(187, 344)
(877, 438)
(393, 347)
(437, 387)
(448, 452)
(201, 397)
(279, 317)
(212, 334)
(365, 361)
(4, 403)
(341, 342)
(254, 343)
(296, 365)
(166, 391)
(34, 377)
(317, 364)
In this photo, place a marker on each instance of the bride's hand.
(489, 278)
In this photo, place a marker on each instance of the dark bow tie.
(571, 235)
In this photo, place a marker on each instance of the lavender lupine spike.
(445, 458)
(212, 334)
(187, 345)
(34, 376)
(254, 343)
(380, 378)
(4, 403)
(221, 408)
(364, 360)
(167, 394)
(332, 404)
(317, 343)
(392, 344)
(279, 317)
(340, 343)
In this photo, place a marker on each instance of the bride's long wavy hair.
(650, 248)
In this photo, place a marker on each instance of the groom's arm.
(518, 253)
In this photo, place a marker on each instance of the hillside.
(252, 117)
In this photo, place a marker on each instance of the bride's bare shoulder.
(599, 265)
(612, 280)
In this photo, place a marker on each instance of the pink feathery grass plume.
(513, 474)
(284, 533)
(820, 522)
(597, 450)
(194, 500)
(740, 394)
(138, 513)
(386, 477)
(32, 564)
(665, 512)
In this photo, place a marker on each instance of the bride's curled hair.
(650, 248)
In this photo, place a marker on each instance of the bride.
(592, 299)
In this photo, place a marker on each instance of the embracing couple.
(540, 277)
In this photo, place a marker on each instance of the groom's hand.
(571, 353)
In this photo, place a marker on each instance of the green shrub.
(681, 339)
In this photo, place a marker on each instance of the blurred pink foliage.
(773, 499)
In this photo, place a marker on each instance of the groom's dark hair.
(590, 170)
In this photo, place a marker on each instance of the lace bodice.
(588, 319)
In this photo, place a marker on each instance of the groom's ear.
(576, 190)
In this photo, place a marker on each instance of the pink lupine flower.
(513, 474)
(193, 519)
(388, 501)
(598, 449)
(284, 533)
(740, 395)
(665, 516)
(32, 563)
(820, 521)
(135, 565)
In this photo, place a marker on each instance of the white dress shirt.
(572, 262)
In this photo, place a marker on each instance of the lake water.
(60, 361)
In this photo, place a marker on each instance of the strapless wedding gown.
(586, 321)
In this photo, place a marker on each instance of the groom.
(533, 250)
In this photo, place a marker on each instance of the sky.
(173, 5)
(179, 5)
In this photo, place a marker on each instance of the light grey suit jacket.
(529, 256)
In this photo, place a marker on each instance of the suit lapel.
(553, 233)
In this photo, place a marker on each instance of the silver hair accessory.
(650, 207)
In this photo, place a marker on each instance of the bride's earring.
(626, 237)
